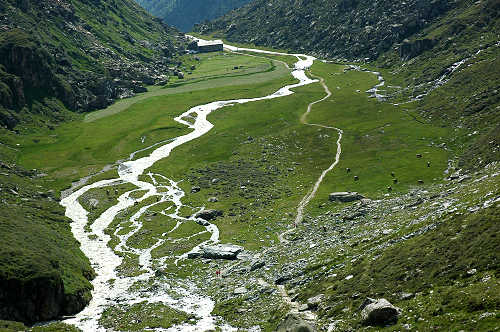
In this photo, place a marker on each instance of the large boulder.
(379, 312)
(345, 196)
(314, 302)
(293, 323)
(219, 251)
(208, 214)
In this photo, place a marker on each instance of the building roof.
(209, 42)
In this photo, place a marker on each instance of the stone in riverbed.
(219, 251)
(345, 196)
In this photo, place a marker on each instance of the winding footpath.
(310, 195)
(111, 288)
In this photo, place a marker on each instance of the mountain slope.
(82, 54)
(183, 14)
(330, 28)
(435, 54)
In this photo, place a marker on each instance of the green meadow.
(79, 148)
(259, 160)
(255, 165)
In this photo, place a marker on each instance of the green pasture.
(77, 149)
(379, 138)
(214, 70)
(259, 160)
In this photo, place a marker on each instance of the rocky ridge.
(184, 14)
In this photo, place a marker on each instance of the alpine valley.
(333, 166)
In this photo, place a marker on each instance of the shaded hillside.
(184, 14)
(330, 28)
(43, 273)
(78, 55)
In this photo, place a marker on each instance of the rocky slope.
(345, 28)
(432, 253)
(184, 14)
(77, 55)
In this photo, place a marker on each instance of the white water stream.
(110, 288)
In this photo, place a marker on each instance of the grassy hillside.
(330, 28)
(184, 14)
(59, 58)
(78, 56)
(425, 157)
(422, 45)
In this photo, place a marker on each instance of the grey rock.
(240, 291)
(213, 199)
(303, 307)
(220, 251)
(406, 296)
(345, 196)
(257, 264)
(293, 323)
(195, 189)
(379, 312)
(208, 214)
(314, 302)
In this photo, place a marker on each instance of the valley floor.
(425, 235)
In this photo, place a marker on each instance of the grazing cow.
(348, 170)
(419, 155)
(116, 191)
(356, 178)
(392, 174)
(428, 164)
(107, 192)
(420, 181)
(389, 188)
(395, 180)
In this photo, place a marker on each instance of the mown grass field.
(213, 70)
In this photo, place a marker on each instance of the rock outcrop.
(293, 323)
(412, 49)
(32, 300)
(220, 251)
(345, 196)
(379, 312)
